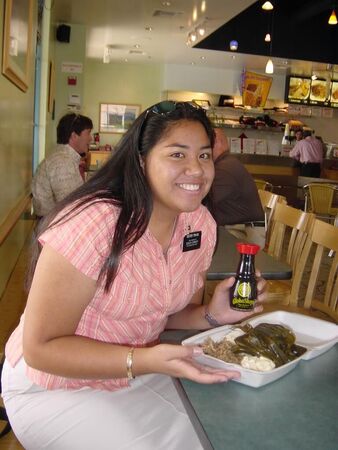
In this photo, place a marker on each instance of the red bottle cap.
(248, 249)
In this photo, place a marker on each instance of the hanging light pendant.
(267, 37)
(233, 45)
(333, 18)
(267, 6)
(269, 67)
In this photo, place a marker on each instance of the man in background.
(62, 171)
(309, 153)
(236, 203)
(299, 134)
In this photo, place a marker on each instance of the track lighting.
(201, 30)
(197, 32)
(193, 36)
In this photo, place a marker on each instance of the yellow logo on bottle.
(244, 289)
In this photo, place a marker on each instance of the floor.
(12, 304)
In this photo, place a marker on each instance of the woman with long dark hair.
(118, 261)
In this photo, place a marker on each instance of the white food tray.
(316, 335)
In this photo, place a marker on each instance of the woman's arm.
(57, 299)
(193, 316)
(56, 302)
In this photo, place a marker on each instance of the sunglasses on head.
(168, 106)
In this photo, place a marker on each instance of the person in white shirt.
(59, 174)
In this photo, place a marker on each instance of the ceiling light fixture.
(268, 38)
(201, 30)
(267, 6)
(198, 31)
(233, 45)
(333, 18)
(107, 54)
(193, 36)
(269, 67)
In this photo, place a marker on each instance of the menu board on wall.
(305, 91)
(297, 90)
(320, 92)
(334, 94)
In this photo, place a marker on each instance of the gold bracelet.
(130, 363)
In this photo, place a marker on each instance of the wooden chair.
(293, 224)
(319, 198)
(322, 237)
(269, 202)
(264, 185)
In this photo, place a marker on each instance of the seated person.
(235, 200)
(84, 369)
(62, 171)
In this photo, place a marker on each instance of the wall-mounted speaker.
(63, 33)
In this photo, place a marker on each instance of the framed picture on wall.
(17, 39)
(51, 86)
(116, 117)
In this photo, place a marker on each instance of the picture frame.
(117, 117)
(17, 42)
(51, 86)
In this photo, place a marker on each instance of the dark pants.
(310, 170)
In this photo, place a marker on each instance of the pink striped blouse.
(147, 288)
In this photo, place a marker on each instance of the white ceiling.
(121, 24)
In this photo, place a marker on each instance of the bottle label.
(243, 297)
(244, 289)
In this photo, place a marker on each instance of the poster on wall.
(256, 88)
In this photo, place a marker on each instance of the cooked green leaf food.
(261, 348)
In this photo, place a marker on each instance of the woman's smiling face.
(179, 168)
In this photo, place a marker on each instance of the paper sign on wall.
(71, 67)
(74, 99)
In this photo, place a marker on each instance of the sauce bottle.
(243, 293)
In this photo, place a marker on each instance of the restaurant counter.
(282, 172)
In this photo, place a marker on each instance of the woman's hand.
(178, 361)
(220, 309)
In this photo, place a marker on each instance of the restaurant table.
(297, 412)
(226, 257)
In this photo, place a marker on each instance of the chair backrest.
(322, 240)
(269, 202)
(297, 222)
(264, 185)
(320, 196)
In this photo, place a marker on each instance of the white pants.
(147, 416)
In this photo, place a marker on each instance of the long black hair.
(122, 183)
